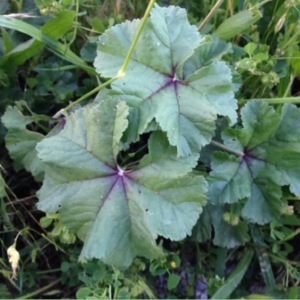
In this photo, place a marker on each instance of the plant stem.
(222, 146)
(260, 4)
(289, 237)
(88, 94)
(231, 7)
(280, 100)
(76, 24)
(210, 14)
(291, 40)
(121, 72)
(283, 260)
(263, 257)
(136, 38)
(49, 271)
(288, 89)
(41, 290)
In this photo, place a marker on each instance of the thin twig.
(210, 14)
(222, 146)
(123, 69)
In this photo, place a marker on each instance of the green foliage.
(234, 279)
(41, 37)
(180, 179)
(191, 87)
(238, 23)
(268, 150)
(21, 142)
(118, 213)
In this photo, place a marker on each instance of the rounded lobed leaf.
(268, 151)
(174, 77)
(21, 142)
(118, 213)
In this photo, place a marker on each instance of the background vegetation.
(40, 77)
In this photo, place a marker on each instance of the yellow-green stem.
(85, 96)
(19, 233)
(123, 69)
(281, 100)
(288, 89)
(210, 14)
(283, 260)
(76, 24)
(136, 38)
(223, 147)
(291, 40)
(289, 237)
(260, 4)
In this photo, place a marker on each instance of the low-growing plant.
(184, 144)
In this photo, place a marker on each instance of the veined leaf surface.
(118, 213)
(174, 77)
(269, 153)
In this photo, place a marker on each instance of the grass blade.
(235, 278)
(61, 50)
(263, 258)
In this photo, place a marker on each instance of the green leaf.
(293, 292)
(230, 180)
(174, 77)
(2, 186)
(265, 202)
(259, 296)
(4, 292)
(84, 292)
(202, 230)
(173, 281)
(4, 6)
(235, 278)
(118, 213)
(267, 153)
(263, 258)
(227, 235)
(7, 41)
(59, 49)
(294, 62)
(21, 142)
(56, 28)
(238, 23)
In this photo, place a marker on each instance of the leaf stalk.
(210, 14)
(85, 96)
(281, 100)
(121, 72)
(223, 147)
(136, 38)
